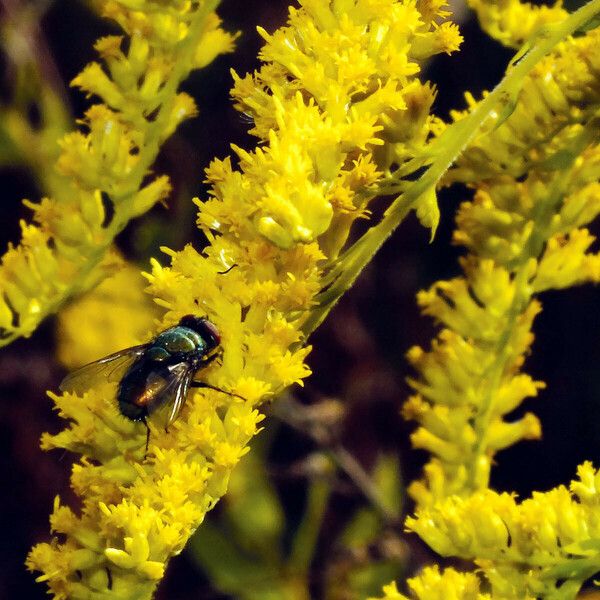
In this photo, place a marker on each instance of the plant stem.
(289, 411)
(307, 535)
(523, 294)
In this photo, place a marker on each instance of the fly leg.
(202, 384)
(207, 361)
(227, 270)
(110, 579)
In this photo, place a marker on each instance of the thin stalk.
(289, 411)
(364, 482)
(307, 535)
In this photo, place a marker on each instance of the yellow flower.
(523, 228)
(390, 592)
(335, 86)
(430, 584)
(534, 174)
(555, 100)
(356, 61)
(525, 548)
(103, 166)
(460, 383)
(513, 22)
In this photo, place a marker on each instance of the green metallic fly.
(155, 374)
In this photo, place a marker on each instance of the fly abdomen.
(140, 388)
(132, 411)
(131, 389)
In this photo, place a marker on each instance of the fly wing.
(173, 392)
(110, 368)
(180, 397)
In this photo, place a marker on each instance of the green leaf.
(367, 580)
(305, 540)
(364, 527)
(428, 211)
(386, 476)
(252, 508)
(227, 567)
(9, 151)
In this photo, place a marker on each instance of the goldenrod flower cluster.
(527, 549)
(513, 22)
(433, 585)
(534, 172)
(535, 180)
(336, 104)
(103, 166)
(352, 110)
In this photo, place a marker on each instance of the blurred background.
(315, 509)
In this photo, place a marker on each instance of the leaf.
(386, 476)
(231, 570)
(253, 508)
(428, 211)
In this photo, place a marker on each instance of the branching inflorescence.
(102, 170)
(336, 105)
(535, 181)
(341, 118)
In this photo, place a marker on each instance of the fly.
(155, 374)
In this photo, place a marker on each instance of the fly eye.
(203, 327)
(210, 333)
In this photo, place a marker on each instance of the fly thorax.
(180, 340)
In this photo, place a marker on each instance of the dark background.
(358, 353)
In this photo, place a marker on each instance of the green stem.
(305, 540)
(444, 151)
(523, 293)
(575, 568)
(287, 410)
